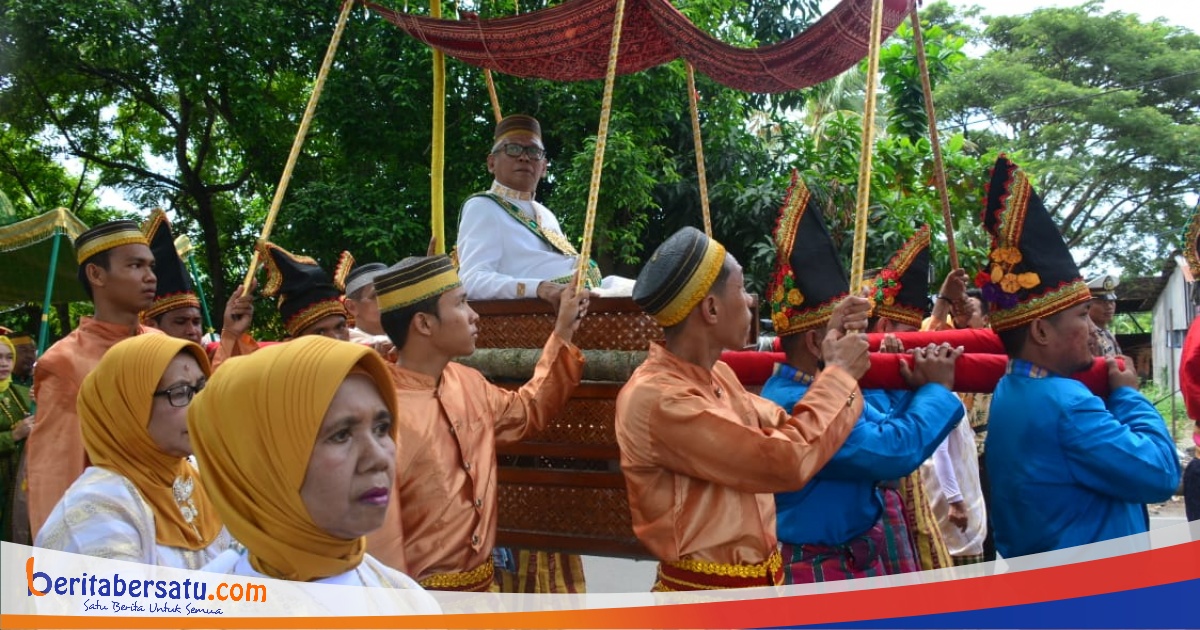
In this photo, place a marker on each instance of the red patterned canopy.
(570, 42)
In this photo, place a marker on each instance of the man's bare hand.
(958, 515)
(847, 351)
(571, 310)
(932, 364)
(550, 292)
(239, 311)
(1121, 376)
(891, 344)
(850, 315)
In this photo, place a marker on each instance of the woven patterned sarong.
(542, 572)
(861, 557)
(923, 524)
(570, 42)
(900, 555)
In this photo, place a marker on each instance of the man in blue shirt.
(831, 529)
(1067, 467)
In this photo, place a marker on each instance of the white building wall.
(1172, 314)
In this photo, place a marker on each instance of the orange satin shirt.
(55, 456)
(702, 456)
(444, 517)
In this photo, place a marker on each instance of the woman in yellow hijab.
(298, 447)
(141, 498)
(15, 423)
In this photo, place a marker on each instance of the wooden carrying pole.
(589, 224)
(939, 170)
(298, 142)
(868, 142)
(694, 105)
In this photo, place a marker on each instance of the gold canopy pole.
(437, 160)
(589, 224)
(868, 142)
(298, 142)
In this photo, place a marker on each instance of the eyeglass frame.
(186, 389)
(527, 150)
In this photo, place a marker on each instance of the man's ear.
(1040, 331)
(812, 341)
(708, 309)
(422, 324)
(351, 306)
(491, 162)
(96, 275)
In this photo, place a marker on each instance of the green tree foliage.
(1104, 110)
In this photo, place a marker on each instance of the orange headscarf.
(114, 407)
(254, 428)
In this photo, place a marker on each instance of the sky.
(1184, 13)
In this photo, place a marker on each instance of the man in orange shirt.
(116, 269)
(443, 527)
(702, 456)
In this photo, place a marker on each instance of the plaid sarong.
(861, 557)
(900, 555)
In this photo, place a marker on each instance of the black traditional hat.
(414, 279)
(1031, 273)
(809, 279)
(678, 275)
(306, 293)
(901, 288)
(106, 236)
(175, 289)
(362, 275)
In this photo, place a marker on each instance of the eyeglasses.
(180, 395)
(514, 150)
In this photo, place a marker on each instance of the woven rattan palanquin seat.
(562, 489)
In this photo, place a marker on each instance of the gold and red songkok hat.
(175, 288)
(306, 293)
(901, 288)
(1030, 272)
(809, 279)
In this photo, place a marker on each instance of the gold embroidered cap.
(175, 289)
(518, 123)
(414, 279)
(1030, 273)
(809, 279)
(306, 293)
(106, 236)
(678, 275)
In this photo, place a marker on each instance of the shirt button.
(467, 466)
(475, 539)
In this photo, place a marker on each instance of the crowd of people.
(358, 452)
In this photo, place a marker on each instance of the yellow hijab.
(13, 349)
(253, 430)
(114, 407)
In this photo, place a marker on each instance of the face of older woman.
(353, 463)
(168, 414)
(6, 362)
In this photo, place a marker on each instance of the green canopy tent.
(33, 265)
